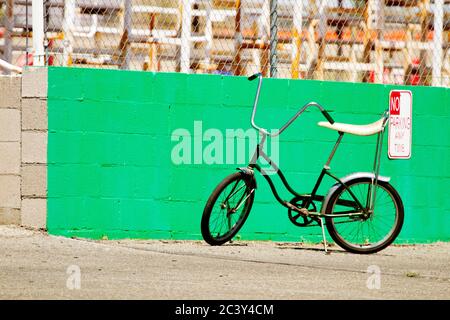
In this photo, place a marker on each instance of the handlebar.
(289, 122)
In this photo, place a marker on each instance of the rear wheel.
(227, 208)
(376, 230)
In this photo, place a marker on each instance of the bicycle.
(350, 208)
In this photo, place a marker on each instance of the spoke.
(355, 229)
(233, 197)
(382, 219)
(390, 226)
(235, 191)
(216, 219)
(373, 228)
(296, 216)
(241, 199)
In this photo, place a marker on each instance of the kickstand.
(323, 235)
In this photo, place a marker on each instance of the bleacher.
(372, 40)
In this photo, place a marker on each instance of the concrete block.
(34, 83)
(9, 216)
(10, 191)
(34, 213)
(9, 124)
(9, 158)
(34, 181)
(34, 114)
(11, 89)
(34, 147)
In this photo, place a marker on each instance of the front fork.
(230, 211)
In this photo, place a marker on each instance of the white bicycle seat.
(359, 130)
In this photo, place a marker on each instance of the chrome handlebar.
(289, 122)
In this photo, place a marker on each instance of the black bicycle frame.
(309, 198)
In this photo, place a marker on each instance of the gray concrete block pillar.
(10, 145)
(34, 135)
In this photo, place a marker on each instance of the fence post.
(9, 25)
(208, 36)
(125, 41)
(69, 16)
(375, 23)
(297, 38)
(273, 38)
(322, 31)
(437, 42)
(38, 32)
(185, 50)
(264, 35)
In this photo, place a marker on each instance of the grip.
(327, 115)
(254, 76)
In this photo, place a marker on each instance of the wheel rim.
(370, 232)
(226, 213)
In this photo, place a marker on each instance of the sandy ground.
(34, 265)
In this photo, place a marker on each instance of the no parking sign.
(400, 124)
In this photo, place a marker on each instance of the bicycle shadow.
(330, 250)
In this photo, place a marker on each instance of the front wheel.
(227, 208)
(372, 232)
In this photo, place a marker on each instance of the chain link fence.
(379, 41)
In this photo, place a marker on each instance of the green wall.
(109, 151)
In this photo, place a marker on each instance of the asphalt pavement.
(35, 265)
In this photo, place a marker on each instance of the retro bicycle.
(362, 211)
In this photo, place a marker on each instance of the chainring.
(295, 218)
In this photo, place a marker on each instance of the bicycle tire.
(386, 240)
(211, 236)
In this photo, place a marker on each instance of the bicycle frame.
(313, 196)
(361, 211)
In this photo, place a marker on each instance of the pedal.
(302, 211)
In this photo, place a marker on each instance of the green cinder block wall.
(110, 171)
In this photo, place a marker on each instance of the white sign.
(400, 124)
